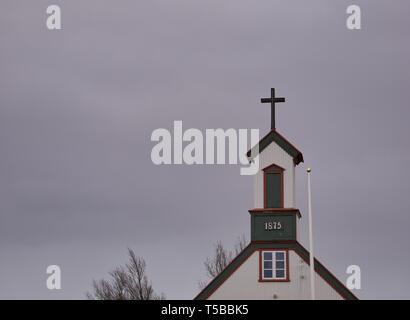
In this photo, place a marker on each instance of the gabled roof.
(294, 245)
(274, 136)
(274, 167)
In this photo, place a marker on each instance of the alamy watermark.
(53, 281)
(216, 146)
(53, 20)
(354, 281)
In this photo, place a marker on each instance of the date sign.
(273, 225)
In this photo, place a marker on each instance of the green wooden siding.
(287, 229)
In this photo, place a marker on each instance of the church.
(274, 265)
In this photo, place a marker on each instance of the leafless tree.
(241, 243)
(127, 282)
(221, 258)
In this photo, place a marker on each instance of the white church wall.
(244, 283)
(275, 154)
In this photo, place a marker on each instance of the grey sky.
(78, 106)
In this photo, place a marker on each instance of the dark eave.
(293, 245)
(274, 136)
(276, 211)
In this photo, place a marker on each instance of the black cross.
(272, 100)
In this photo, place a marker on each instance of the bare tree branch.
(221, 258)
(240, 244)
(128, 282)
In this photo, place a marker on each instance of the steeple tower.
(275, 216)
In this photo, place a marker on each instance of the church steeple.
(274, 216)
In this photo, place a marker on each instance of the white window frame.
(273, 260)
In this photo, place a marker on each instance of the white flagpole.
(311, 256)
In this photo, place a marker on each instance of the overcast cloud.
(78, 106)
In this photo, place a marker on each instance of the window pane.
(280, 256)
(267, 265)
(280, 264)
(280, 273)
(267, 273)
(267, 256)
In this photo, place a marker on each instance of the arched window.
(273, 186)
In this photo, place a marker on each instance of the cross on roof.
(272, 100)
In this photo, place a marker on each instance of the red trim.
(274, 211)
(264, 186)
(328, 282)
(230, 273)
(271, 165)
(265, 136)
(256, 210)
(288, 141)
(274, 241)
(261, 261)
(316, 270)
(293, 249)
